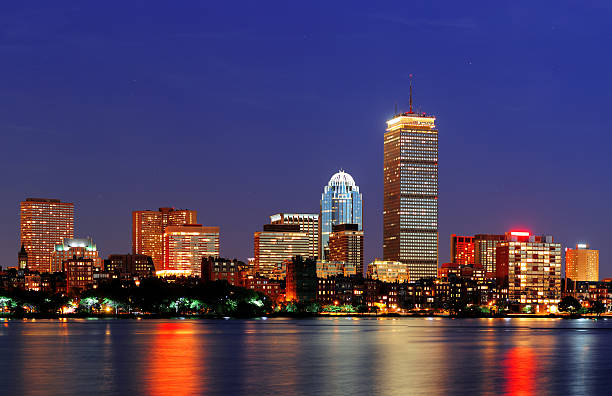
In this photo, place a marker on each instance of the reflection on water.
(331, 356)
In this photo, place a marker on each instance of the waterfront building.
(327, 269)
(301, 281)
(582, 263)
(346, 245)
(138, 264)
(269, 287)
(388, 271)
(308, 222)
(277, 243)
(529, 266)
(148, 227)
(410, 200)
(44, 223)
(485, 247)
(79, 274)
(22, 258)
(216, 268)
(471, 271)
(185, 246)
(74, 247)
(462, 249)
(341, 203)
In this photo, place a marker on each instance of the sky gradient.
(243, 110)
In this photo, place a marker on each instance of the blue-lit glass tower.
(341, 203)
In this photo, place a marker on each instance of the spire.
(410, 93)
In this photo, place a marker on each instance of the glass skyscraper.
(341, 203)
(410, 202)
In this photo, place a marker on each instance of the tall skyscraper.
(462, 249)
(44, 223)
(275, 244)
(308, 222)
(148, 228)
(71, 247)
(341, 203)
(346, 245)
(186, 245)
(410, 201)
(582, 263)
(484, 251)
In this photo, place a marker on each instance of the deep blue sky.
(241, 110)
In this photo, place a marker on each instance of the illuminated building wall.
(388, 271)
(326, 269)
(277, 243)
(148, 228)
(462, 249)
(139, 264)
(346, 245)
(582, 263)
(530, 266)
(186, 245)
(44, 223)
(215, 269)
(71, 247)
(341, 203)
(485, 246)
(410, 201)
(309, 223)
(79, 274)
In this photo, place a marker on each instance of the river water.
(403, 356)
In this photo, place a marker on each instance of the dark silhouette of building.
(301, 279)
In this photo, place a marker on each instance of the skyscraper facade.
(582, 263)
(462, 249)
(485, 246)
(44, 223)
(346, 245)
(275, 244)
(410, 201)
(341, 203)
(186, 245)
(148, 228)
(308, 222)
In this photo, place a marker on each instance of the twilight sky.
(241, 110)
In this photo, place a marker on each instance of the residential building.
(346, 245)
(388, 271)
(44, 223)
(71, 247)
(79, 274)
(485, 247)
(186, 245)
(462, 249)
(301, 282)
(269, 287)
(277, 243)
(138, 264)
(326, 269)
(410, 200)
(308, 222)
(341, 203)
(582, 263)
(216, 268)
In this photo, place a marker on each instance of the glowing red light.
(520, 233)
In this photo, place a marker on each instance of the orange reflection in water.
(520, 371)
(175, 360)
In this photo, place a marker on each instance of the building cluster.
(320, 256)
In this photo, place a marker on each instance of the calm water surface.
(312, 356)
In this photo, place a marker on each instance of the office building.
(462, 249)
(148, 228)
(485, 247)
(346, 245)
(530, 267)
(341, 203)
(410, 201)
(74, 247)
(277, 243)
(308, 222)
(137, 264)
(79, 274)
(388, 271)
(582, 263)
(186, 245)
(44, 223)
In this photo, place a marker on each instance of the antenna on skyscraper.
(410, 93)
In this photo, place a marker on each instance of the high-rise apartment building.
(186, 245)
(410, 201)
(582, 263)
(346, 245)
(462, 249)
(148, 228)
(277, 243)
(74, 247)
(308, 222)
(485, 246)
(44, 223)
(530, 267)
(341, 203)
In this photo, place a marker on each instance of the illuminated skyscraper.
(186, 245)
(346, 245)
(44, 223)
(148, 228)
(308, 222)
(275, 244)
(582, 263)
(71, 247)
(410, 201)
(341, 203)
(484, 251)
(462, 249)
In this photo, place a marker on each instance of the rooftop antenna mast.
(410, 93)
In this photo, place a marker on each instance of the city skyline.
(471, 93)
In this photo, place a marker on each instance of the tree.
(569, 304)
(597, 307)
